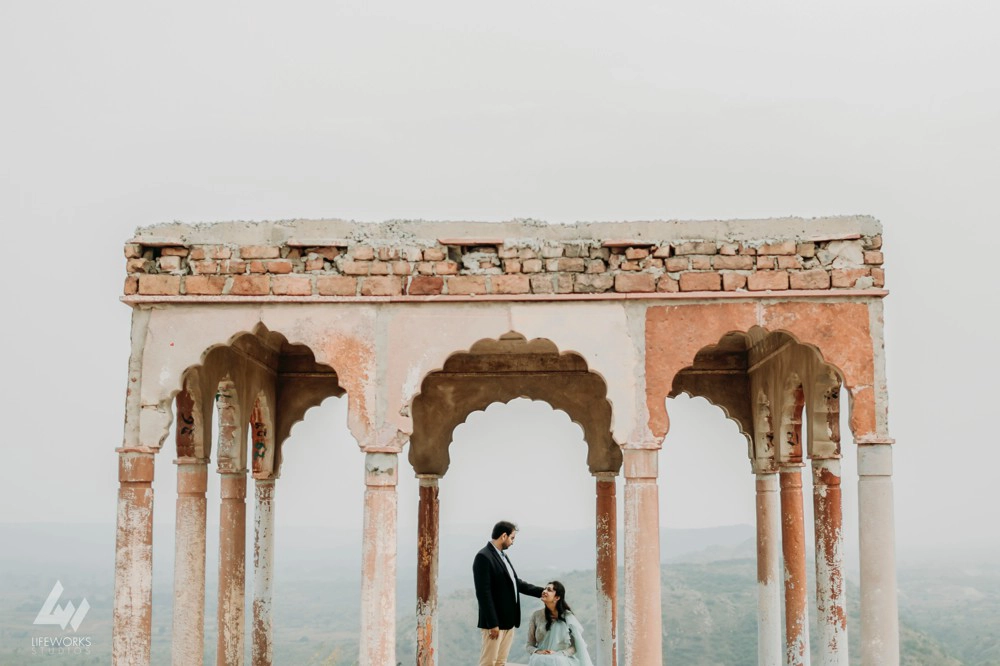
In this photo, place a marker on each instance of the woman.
(555, 637)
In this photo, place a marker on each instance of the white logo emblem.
(61, 615)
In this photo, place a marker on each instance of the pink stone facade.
(420, 324)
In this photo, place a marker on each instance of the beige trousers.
(495, 651)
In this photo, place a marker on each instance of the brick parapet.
(497, 266)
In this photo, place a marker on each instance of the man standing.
(498, 591)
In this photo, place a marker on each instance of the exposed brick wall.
(583, 267)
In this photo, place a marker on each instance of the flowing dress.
(564, 638)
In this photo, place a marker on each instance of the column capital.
(875, 460)
(135, 465)
(381, 469)
(605, 476)
(875, 440)
(641, 463)
(428, 480)
(188, 460)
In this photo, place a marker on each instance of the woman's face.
(549, 594)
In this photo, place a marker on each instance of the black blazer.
(498, 605)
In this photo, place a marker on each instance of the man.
(498, 591)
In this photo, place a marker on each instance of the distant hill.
(949, 610)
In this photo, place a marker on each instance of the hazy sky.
(121, 114)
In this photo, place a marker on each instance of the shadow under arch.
(499, 371)
(282, 377)
(744, 367)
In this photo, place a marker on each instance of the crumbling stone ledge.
(397, 259)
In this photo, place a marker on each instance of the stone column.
(793, 547)
(769, 576)
(607, 570)
(427, 570)
(262, 651)
(378, 566)
(232, 567)
(188, 637)
(133, 610)
(831, 598)
(879, 612)
(643, 635)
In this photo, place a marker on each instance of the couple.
(555, 637)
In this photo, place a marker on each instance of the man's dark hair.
(503, 527)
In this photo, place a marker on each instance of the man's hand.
(494, 633)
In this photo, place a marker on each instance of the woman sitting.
(555, 636)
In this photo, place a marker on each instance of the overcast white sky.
(120, 114)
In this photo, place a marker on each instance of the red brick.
(817, 278)
(425, 268)
(174, 251)
(291, 285)
(708, 281)
(139, 265)
(294, 253)
(281, 266)
(701, 262)
(131, 285)
(233, 267)
(589, 283)
(349, 267)
(133, 250)
(508, 252)
(873, 243)
(169, 264)
(874, 257)
(159, 285)
(466, 284)
(677, 264)
(205, 267)
(218, 252)
(662, 252)
(526, 253)
(789, 262)
(337, 285)
(388, 254)
(766, 263)
(511, 284)
(531, 265)
(667, 284)
(424, 286)
(630, 266)
(257, 266)
(636, 282)
(204, 285)
(747, 250)
(844, 278)
(379, 268)
(729, 249)
(767, 281)
(400, 267)
(251, 285)
(878, 276)
(636, 253)
(552, 251)
(542, 283)
(512, 266)
(733, 262)
(654, 263)
(316, 264)
(733, 281)
(363, 253)
(260, 252)
(700, 247)
(596, 266)
(446, 268)
(567, 264)
(328, 253)
(434, 254)
(781, 247)
(806, 250)
(564, 283)
(381, 286)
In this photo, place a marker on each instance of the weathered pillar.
(879, 612)
(769, 578)
(133, 610)
(793, 547)
(232, 567)
(643, 634)
(427, 570)
(831, 598)
(378, 566)
(262, 651)
(607, 570)
(188, 638)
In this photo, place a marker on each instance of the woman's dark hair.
(561, 606)
(503, 527)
